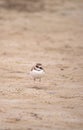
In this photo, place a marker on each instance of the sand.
(55, 39)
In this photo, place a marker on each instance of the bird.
(37, 71)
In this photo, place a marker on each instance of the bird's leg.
(39, 79)
(34, 79)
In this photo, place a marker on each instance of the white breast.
(36, 73)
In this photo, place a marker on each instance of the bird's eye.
(40, 67)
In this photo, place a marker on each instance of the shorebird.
(37, 72)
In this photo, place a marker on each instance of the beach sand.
(53, 37)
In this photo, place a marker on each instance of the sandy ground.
(54, 39)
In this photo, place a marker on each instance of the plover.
(37, 72)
